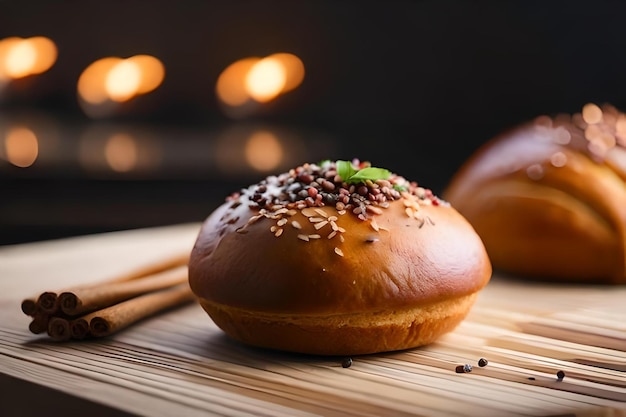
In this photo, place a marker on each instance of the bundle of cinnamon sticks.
(104, 308)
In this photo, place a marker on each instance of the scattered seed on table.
(463, 369)
(346, 363)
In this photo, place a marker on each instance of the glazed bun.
(309, 262)
(548, 198)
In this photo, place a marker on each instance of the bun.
(306, 262)
(548, 198)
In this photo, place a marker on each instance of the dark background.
(414, 86)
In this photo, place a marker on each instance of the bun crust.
(324, 280)
(548, 198)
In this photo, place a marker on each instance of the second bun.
(548, 197)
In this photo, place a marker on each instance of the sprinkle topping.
(365, 193)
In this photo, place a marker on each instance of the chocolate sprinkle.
(482, 362)
(560, 375)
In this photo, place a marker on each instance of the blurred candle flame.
(294, 70)
(119, 80)
(231, 88)
(20, 57)
(259, 79)
(91, 83)
(123, 80)
(266, 79)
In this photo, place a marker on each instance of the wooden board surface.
(179, 363)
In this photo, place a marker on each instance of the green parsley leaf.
(370, 173)
(351, 175)
(345, 170)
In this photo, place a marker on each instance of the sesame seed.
(314, 236)
(321, 212)
(281, 210)
(374, 225)
(241, 230)
(408, 212)
(281, 222)
(319, 225)
(338, 251)
(303, 237)
(273, 229)
(308, 212)
(332, 234)
(253, 219)
(278, 232)
(316, 219)
(332, 218)
(296, 225)
(374, 209)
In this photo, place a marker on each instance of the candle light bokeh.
(123, 115)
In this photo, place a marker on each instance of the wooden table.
(180, 364)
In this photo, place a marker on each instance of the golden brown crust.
(406, 262)
(547, 202)
(342, 334)
(305, 268)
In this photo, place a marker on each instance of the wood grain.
(180, 363)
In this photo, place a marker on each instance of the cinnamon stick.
(79, 328)
(85, 300)
(47, 301)
(39, 323)
(112, 319)
(59, 329)
(29, 306)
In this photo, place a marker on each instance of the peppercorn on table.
(526, 349)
